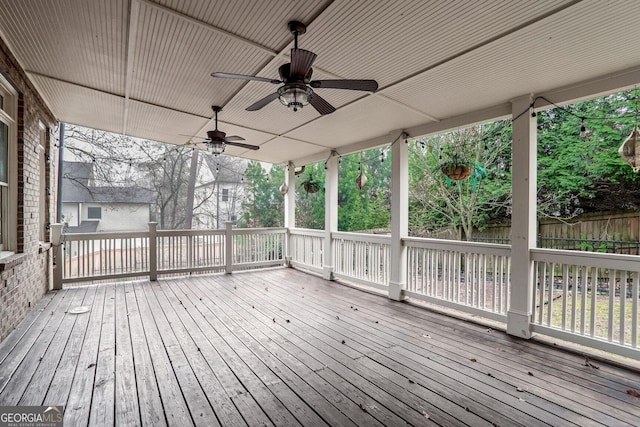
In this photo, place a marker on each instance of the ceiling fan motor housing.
(216, 135)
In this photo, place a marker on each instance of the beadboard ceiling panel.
(389, 40)
(174, 59)
(83, 42)
(80, 105)
(160, 124)
(283, 147)
(372, 117)
(548, 51)
(258, 21)
(142, 67)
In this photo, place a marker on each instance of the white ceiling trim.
(131, 49)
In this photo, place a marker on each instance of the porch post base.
(327, 273)
(395, 291)
(519, 325)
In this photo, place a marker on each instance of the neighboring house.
(228, 192)
(87, 207)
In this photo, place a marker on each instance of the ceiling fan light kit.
(295, 96)
(296, 90)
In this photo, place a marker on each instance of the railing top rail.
(590, 259)
(272, 230)
(306, 232)
(162, 233)
(71, 237)
(458, 246)
(362, 237)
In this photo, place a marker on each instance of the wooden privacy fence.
(614, 232)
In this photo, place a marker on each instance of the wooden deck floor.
(281, 347)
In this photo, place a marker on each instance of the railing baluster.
(623, 306)
(612, 305)
(635, 295)
(583, 307)
(594, 299)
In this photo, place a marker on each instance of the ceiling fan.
(296, 91)
(217, 140)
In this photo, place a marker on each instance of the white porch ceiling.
(142, 67)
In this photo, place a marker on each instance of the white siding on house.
(120, 216)
(115, 216)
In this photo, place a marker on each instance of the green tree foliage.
(358, 210)
(368, 208)
(585, 173)
(575, 174)
(437, 202)
(263, 205)
(310, 206)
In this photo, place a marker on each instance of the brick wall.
(24, 278)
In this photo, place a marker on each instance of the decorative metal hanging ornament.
(361, 180)
(630, 148)
(284, 188)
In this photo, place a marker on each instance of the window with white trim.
(94, 213)
(8, 164)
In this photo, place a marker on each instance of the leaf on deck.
(633, 393)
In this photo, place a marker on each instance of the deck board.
(280, 347)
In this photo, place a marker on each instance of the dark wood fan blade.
(366, 85)
(261, 103)
(301, 61)
(320, 104)
(233, 138)
(240, 144)
(244, 77)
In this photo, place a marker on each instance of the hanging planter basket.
(311, 186)
(457, 172)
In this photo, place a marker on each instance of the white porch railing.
(362, 258)
(467, 276)
(95, 256)
(581, 297)
(305, 249)
(257, 247)
(587, 298)
(180, 251)
(98, 256)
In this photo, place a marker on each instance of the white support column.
(330, 214)
(58, 255)
(153, 251)
(229, 243)
(523, 217)
(399, 218)
(290, 197)
(289, 208)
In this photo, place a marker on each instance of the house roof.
(142, 67)
(77, 187)
(89, 226)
